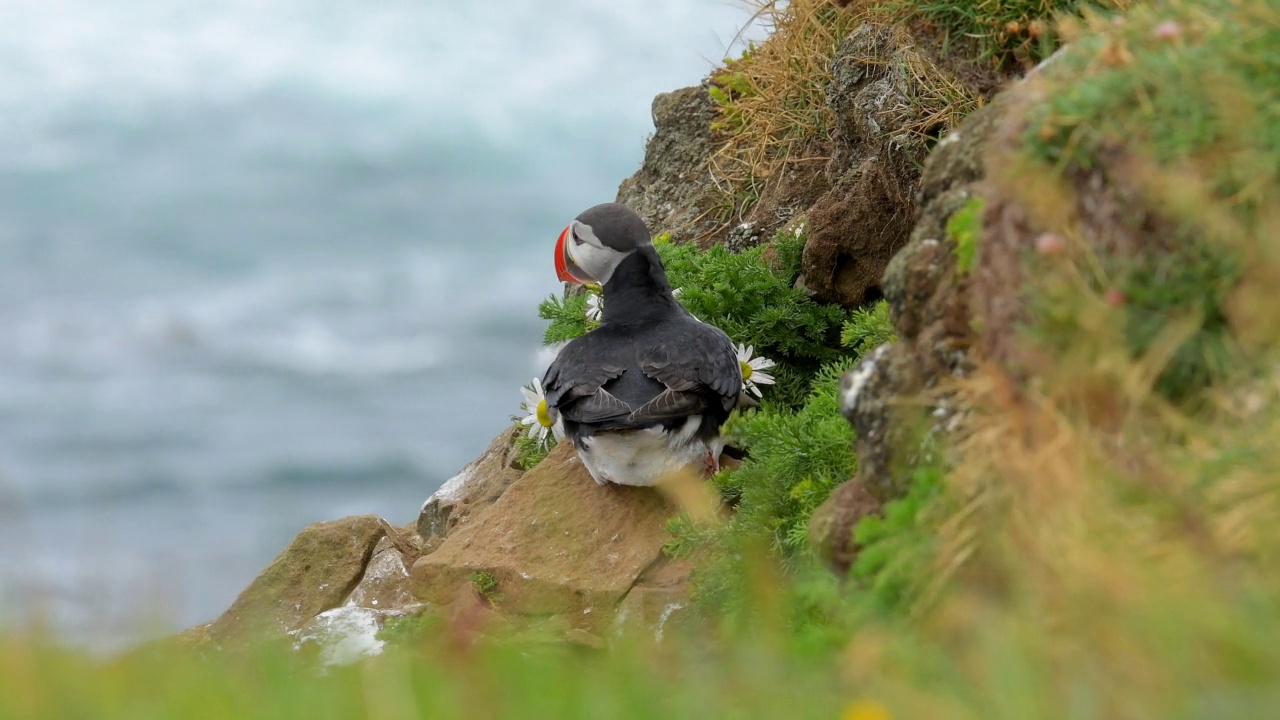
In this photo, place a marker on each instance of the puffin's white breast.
(643, 457)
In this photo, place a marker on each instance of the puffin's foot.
(712, 464)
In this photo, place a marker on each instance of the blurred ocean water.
(263, 264)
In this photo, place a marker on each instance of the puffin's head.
(595, 243)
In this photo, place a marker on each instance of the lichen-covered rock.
(673, 190)
(866, 216)
(479, 484)
(555, 542)
(314, 574)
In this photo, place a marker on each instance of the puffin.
(643, 395)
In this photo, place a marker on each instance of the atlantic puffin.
(644, 394)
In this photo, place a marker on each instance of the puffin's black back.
(649, 363)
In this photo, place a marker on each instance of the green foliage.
(756, 306)
(895, 546)
(407, 630)
(964, 230)
(1005, 30)
(687, 535)
(867, 329)
(795, 459)
(1190, 283)
(484, 582)
(568, 316)
(530, 451)
(1176, 83)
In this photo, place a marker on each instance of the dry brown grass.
(773, 109)
(773, 100)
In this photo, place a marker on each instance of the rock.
(471, 616)
(479, 484)
(651, 612)
(673, 190)
(578, 636)
(314, 574)
(832, 524)
(866, 216)
(385, 583)
(555, 542)
(929, 302)
(744, 236)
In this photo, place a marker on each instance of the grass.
(772, 100)
(1006, 32)
(1180, 102)
(426, 680)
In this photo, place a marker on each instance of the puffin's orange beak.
(566, 269)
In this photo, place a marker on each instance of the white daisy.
(753, 369)
(539, 418)
(595, 307)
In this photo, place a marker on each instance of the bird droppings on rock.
(477, 486)
(854, 381)
(343, 635)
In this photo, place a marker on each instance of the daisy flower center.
(746, 370)
(544, 417)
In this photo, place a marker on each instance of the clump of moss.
(964, 230)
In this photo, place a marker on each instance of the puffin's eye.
(576, 240)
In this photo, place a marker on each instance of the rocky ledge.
(493, 546)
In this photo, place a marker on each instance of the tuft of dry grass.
(772, 100)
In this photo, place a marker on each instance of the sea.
(267, 264)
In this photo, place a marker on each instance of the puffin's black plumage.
(651, 373)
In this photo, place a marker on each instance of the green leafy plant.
(530, 451)
(484, 582)
(868, 328)
(894, 546)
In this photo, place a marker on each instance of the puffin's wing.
(699, 368)
(574, 385)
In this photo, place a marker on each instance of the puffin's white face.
(582, 258)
